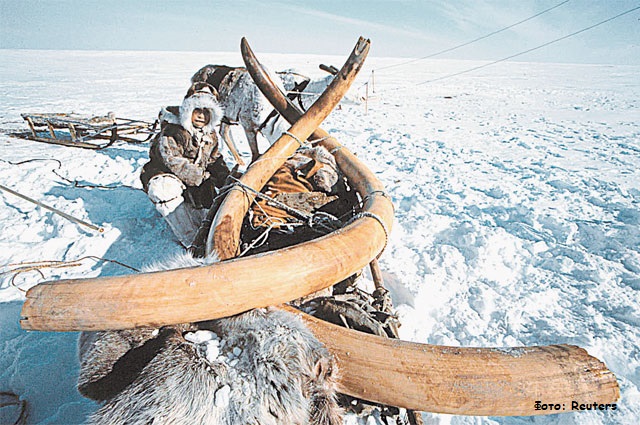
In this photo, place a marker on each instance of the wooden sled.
(82, 131)
(468, 381)
(228, 287)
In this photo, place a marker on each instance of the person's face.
(199, 117)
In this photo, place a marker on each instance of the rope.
(475, 39)
(317, 220)
(307, 93)
(38, 266)
(379, 220)
(313, 220)
(295, 138)
(372, 194)
(281, 205)
(315, 141)
(54, 210)
(259, 241)
(514, 55)
(273, 221)
(75, 183)
(377, 193)
(327, 221)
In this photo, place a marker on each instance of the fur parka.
(180, 148)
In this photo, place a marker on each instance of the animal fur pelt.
(261, 367)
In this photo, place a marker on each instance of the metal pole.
(60, 213)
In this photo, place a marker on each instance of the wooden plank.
(31, 127)
(72, 132)
(51, 130)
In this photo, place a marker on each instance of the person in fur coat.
(262, 367)
(185, 166)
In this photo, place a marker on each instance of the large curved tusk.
(454, 380)
(464, 381)
(359, 175)
(224, 235)
(208, 292)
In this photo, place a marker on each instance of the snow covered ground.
(517, 194)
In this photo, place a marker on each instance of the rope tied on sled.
(320, 219)
(294, 137)
(379, 220)
(311, 142)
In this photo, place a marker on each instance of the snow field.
(516, 189)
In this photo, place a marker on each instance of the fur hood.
(182, 115)
(202, 100)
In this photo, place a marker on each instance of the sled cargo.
(424, 377)
(82, 131)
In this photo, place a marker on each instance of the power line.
(530, 50)
(475, 39)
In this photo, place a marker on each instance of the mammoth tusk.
(454, 380)
(224, 236)
(463, 380)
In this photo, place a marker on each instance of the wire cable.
(530, 50)
(475, 39)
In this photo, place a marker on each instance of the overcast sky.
(397, 28)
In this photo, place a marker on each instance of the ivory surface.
(461, 380)
(454, 380)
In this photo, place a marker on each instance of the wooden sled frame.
(468, 381)
(78, 130)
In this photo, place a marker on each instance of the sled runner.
(469, 381)
(83, 131)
